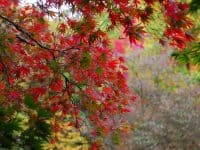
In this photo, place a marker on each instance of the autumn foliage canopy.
(72, 70)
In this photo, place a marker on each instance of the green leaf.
(75, 98)
(99, 70)
(68, 119)
(29, 102)
(116, 138)
(42, 113)
(31, 139)
(43, 129)
(82, 115)
(2, 111)
(194, 6)
(86, 60)
(81, 85)
(67, 75)
(13, 125)
(54, 65)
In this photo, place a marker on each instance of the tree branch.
(30, 36)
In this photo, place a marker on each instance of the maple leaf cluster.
(77, 72)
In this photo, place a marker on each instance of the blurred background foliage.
(166, 115)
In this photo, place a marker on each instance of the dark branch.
(22, 39)
(32, 38)
(25, 32)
